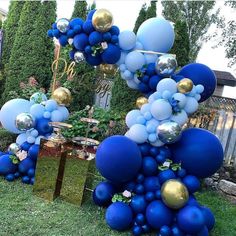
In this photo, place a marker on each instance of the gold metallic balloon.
(62, 96)
(141, 101)
(108, 69)
(174, 194)
(102, 20)
(185, 85)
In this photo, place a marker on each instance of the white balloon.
(161, 109)
(131, 117)
(191, 105)
(138, 133)
(167, 84)
(181, 117)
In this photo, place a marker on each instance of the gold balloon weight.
(108, 69)
(174, 194)
(102, 20)
(141, 101)
(185, 85)
(62, 96)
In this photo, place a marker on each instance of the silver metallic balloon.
(24, 121)
(166, 65)
(14, 148)
(79, 57)
(169, 132)
(63, 25)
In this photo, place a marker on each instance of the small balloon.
(102, 20)
(169, 132)
(108, 69)
(174, 194)
(63, 25)
(14, 148)
(166, 65)
(38, 97)
(24, 121)
(62, 96)
(185, 85)
(141, 101)
(79, 57)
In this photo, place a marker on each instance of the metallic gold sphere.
(62, 96)
(108, 69)
(141, 101)
(185, 85)
(174, 194)
(102, 20)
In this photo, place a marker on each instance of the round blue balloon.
(151, 184)
(134, 61)
(114, 30)
(80, 41)
(51, 105)
(103, 194)
(33, 152)
(57, 116)
(127, 40)
(192, 183)
(25, 165)
(26, 146)
(112, 54)
(63, 40)
(90, 14)
(21, 138)
(166, 175)
(26, 179)
(138, 204)
(95, 38)
(123, 164)
(6, 165)
(43, 127)
(37, 110)
(203, 232)
(137, 230)
(149, 166)
(119, 216)
(31, 172)
(158, 215)
(10, 177)
(93, 60)
(200, 74)
(75, 22)
(208, 216)
(199, 151)
(88, 27)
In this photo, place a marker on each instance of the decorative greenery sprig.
(122, 197)
(14, 159)
(168, 164)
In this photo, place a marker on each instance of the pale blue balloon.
(138, 133)
(132, 84)
(127, 40)
(31, 139)
(158, 143)
(166, 94)
(57, 116)
(9, 112)
(34, 133)
(181, 98)
(199, 88)
(197, 97)
(161, 109)
(147, 115)
(156, 34)
(150, 128)
(167, 84)
(38, 97)
(193, 92)
(191, 105)
(135, 61)
(180, 118)
(145, 108)
(122, 58)
(152, 138)
(153, 122)
(37, 140)
(21, 138)
(150, 58)
(131, 117)
(37, 110)
(51, 105)
(141, 120)
(138, 46)
(64, 111)
(136, 79)
(122, 67)
(128, 75)
(47, 114)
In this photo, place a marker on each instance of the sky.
(125, 13)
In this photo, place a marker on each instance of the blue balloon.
(88, 27)
(203, 232)
(181, 173)
(192, 183)
(123, 164)
(50, 33)
(25, 165)
(199, 151)
(90, 14)
(190, 219)
(43, 127)
(114, 39)
(56, 33)
(93, 60)
(6, 165)
(26, 179)
(9, 112)
(80, 41)
(134, 61)
(151, 184)
(158, 215)
(64, 112)
(75, 22)
(131, 117)
(33, 152)
(63, 40)
(165, 231)
(166, 175)
(138, 204)
(156, 34)
(95, 38)
(149, 166)
(72, 54)
(144, 148)
(31, 172)
(137, 230)
(37, 110)
(139, 189)
(103, 193)
(10, 177)
(51, 105)
(192, 201)
(150, 58)
(200, 74)
(112, 54)
(21, 138)
(153, 81)
(119, 216)
(127, 40)
(114, 30)
(138, 133)
(70, 33)
(30, 139)
(177, 232)
(150, 196)
(122, 60)
(140, 219)
(208, 216)
(32, 180)
(17, 175)
(57, 116)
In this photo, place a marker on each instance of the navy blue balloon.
(158, 214)
(103, 193)
(50, 33)
(80, 41)
(160, 158)
(77, 29)
(106, 36)
(88, 49)
(143, 88)
(151, 69)
(31, 172)
(95, 38)
(140, 219)
(192, 201)
(114, 30)
(6, 165)
(114, 39)
(140, 178)
(199, 151)
(144, 148)
(118, 159)
(93, 61)
(88, 27)
(208, 216)
(56, 33)
(26, 146)
(26, 179)
(190, 219)
(181, 173)
(200, 74)
(63, 40)
(32, 180)
(137, 230)
(158, 194)
(70, 33)
(139, 189)
(138, 203)
(153, 81)
(150, 196)
(149, 166)
(17, 174)
(145, 79)
(151, 184)
(2, 153)
(166, 175)
(146, 228)
(25, 165)
(43, 127)
(154, 151)
(33, 152)
(112, 54)
(10, 177)
(165, 231)
(192, 183)
(119, 216)
(130, 186)
(54, 25)
(203, 232)
(90, 14)
(177, 232)
(76, 21)
(165, 151)
(72, 54)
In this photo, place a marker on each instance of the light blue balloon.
(152, 138)
(158, 143)
(122, 67)
(161, 109)
(21, 138)
(37, 110)
(167, 84)
(181, 98)
(150, 58)
(153, 122)
(141, 120)
(131, 117)
(150, 128)
(47, 114)
(56, 116)
(64, 111)
(138, 46)
(128, 75)
(148, 115)
(127, 40)
(197, 97)
(181, 117)
(122, 58)
(191, 105)
(51, 105)
(135, 61)
(145, 108)
(9, 112)
(199, 88)
(31, 139)
(38, 97)
(166, 94)
(193, 92)
(156, 34)
(138, 133)
(34, 133)
(132, 84)
(37, 140)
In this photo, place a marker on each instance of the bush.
(6, 138)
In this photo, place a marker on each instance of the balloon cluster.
(30, 119)
(159, 121)
(152, 188)
(94, 40)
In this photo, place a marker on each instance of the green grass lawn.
(21, 213)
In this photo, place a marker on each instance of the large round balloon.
(118, 159)
(199, 151)
(9, 112)
(200, 74)
(6, 165)
(156, 34)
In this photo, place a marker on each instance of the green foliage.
(0, 24)
(123, 98)
(6, 138)
(141, 18)
(80, 10)
(110, 123)
(151, 10)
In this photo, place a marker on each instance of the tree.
(198, 16)
(141, 18)
(151, 10)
